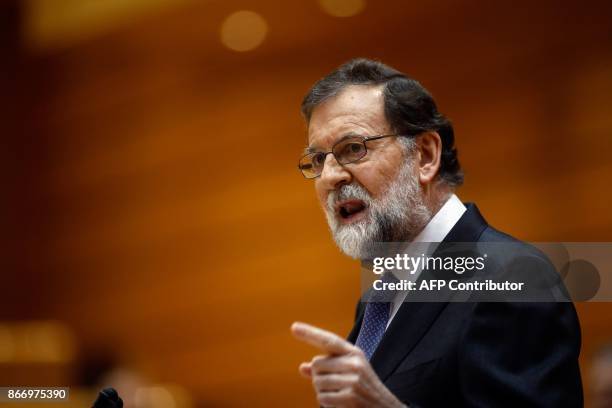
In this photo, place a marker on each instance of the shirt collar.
(443, 221)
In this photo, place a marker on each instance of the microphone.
(108, 398)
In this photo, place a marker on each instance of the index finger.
(320, 338)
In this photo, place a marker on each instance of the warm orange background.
(152, 201)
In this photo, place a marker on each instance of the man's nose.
(334, 175)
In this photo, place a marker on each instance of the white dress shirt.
(434, 232)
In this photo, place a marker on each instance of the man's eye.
(355, 147)
(352, 151)
(318, 159)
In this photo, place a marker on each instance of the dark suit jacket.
(481, 354)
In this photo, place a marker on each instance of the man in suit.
(385, 169)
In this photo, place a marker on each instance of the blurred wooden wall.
(155, 203)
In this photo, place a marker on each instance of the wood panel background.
(152, 201)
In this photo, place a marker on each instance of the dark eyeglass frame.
(364, 140)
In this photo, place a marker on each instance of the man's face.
(377, 198)
(356, 110)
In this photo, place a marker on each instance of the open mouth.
(350, 210)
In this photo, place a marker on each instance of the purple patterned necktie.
(373, 326)
(375, 318)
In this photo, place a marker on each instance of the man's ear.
(429, 146)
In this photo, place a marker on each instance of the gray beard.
(397, 216)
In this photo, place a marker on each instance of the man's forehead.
(357, 110)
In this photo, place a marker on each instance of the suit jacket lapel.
(413, 319)
(411, 322)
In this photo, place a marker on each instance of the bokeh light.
(243, 30)
(342, 8)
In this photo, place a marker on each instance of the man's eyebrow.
(313, 149)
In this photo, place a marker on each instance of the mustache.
(348, 192)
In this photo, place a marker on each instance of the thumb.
(306, 370)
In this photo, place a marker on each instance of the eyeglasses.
(345, 151)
